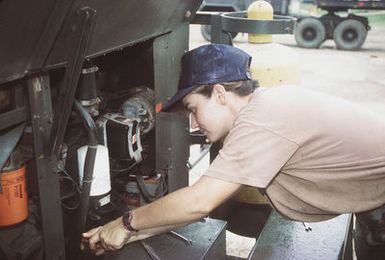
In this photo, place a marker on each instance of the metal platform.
(285, 239)
(208, 242)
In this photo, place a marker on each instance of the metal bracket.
(223, 23)
(238, 22)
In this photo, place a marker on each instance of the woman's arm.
(176, 209)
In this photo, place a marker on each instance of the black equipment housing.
(44, 45)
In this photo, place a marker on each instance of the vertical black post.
(48, 181)
(217, 34)
(172, 129)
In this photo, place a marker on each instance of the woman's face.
(208, 114)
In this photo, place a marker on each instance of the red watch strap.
(127, 218)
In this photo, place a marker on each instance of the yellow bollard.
(260, 10)
(272, 64)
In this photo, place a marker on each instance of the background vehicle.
(346, 29)
(348, 32)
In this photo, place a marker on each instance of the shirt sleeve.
(251, 155)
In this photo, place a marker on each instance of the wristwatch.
(127, 218)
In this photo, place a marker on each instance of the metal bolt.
(187, 14)
(307, 228)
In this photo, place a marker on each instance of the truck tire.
(310, 33)
(206, 32)
(349, 34)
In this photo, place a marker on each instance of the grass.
(377, 18)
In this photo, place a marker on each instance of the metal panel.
(123, 23)
(119, 24)
(22, 24)
(172, 129)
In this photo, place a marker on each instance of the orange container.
(13, 197)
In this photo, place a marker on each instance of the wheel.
(310, 33)
(349, 34)
(206, 32)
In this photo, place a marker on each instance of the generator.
(81, 133)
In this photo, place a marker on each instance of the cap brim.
(171, 104)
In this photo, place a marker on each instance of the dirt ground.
(358, 76)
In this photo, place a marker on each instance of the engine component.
(141, 105)
(8, 143)
(121, 132)
(101, 183)
(13, 199)
(13, 186)
(139, 191)
(121, 135)
(86, 91)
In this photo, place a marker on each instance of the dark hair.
(241, 88)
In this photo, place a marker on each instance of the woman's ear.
(219, 93)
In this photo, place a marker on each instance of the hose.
(89, 164)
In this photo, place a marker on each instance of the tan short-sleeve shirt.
(316, 155)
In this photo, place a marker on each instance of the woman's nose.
(193, 123)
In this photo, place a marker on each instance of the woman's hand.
(109, 237)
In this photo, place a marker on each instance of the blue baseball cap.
(210, 64)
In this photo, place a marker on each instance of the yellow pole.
(260, 10)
